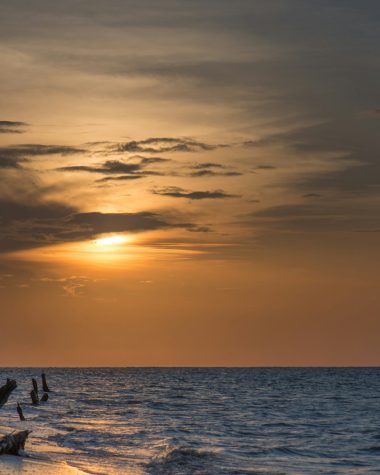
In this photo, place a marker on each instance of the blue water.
(205, 421)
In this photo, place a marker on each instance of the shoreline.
(30, 464)
(33, 466)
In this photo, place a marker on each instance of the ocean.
(203, 420)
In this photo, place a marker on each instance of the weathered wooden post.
(45, 397)
(20, 413)
(35, 385)
(34, 397)
(45, 387)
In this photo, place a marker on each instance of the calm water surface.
(205, 421)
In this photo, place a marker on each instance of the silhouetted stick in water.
(34, 397)
(45, 387)
(45, 397)
(6, 390)
(13, 443)
(20, 413)
(35, 386)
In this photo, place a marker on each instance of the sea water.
(204, 421)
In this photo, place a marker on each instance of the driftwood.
(12, 444)
(6, 390)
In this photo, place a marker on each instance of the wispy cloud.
(13, 155)
(126, 170)
(211, 173)
(164, 145)
(176, 192)
(73, 286)
(211, 169)
(109, 167)
(12, 127)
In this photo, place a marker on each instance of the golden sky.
(189, 183)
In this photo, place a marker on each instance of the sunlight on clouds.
(111, 241)
(111, 251)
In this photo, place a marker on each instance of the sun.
(113, 240)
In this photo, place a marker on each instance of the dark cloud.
(27, 225)
(33, 150)
(11, 127)
(13, 155)
(210, 169)
(24, 151)
(207, 165)
(164, 145)
(318, 217)
(311, 195)
(176, 192)
(10, 161)
(209, 173)
(131, 169)
(125, 170)
(11, 211)
(265, 167)
(33, 225)
(121, 178)
(109, 167)
(356, 147)
(98, 223)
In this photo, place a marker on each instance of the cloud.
(311, 195)
(164, 145)
(125, 170)
(109, 167)
(210, 169)
(131, 169)
(151, 160)
(265, 167)
(176, 192)
(210, 173)
(34, 225)
(318, 217)
(11, 211)
(11, 127)
(10, 161)
(98, 223)
(73, 286)
(27, 225)
(121, 178)
(33, 150)
(207, 165)
(13, 155)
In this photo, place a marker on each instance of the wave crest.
(180, 460)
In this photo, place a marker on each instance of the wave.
(373, 449)
(181, 460)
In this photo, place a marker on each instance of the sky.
(189, 183)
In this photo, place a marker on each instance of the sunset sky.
(189, 182)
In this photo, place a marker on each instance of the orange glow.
(112, 241)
